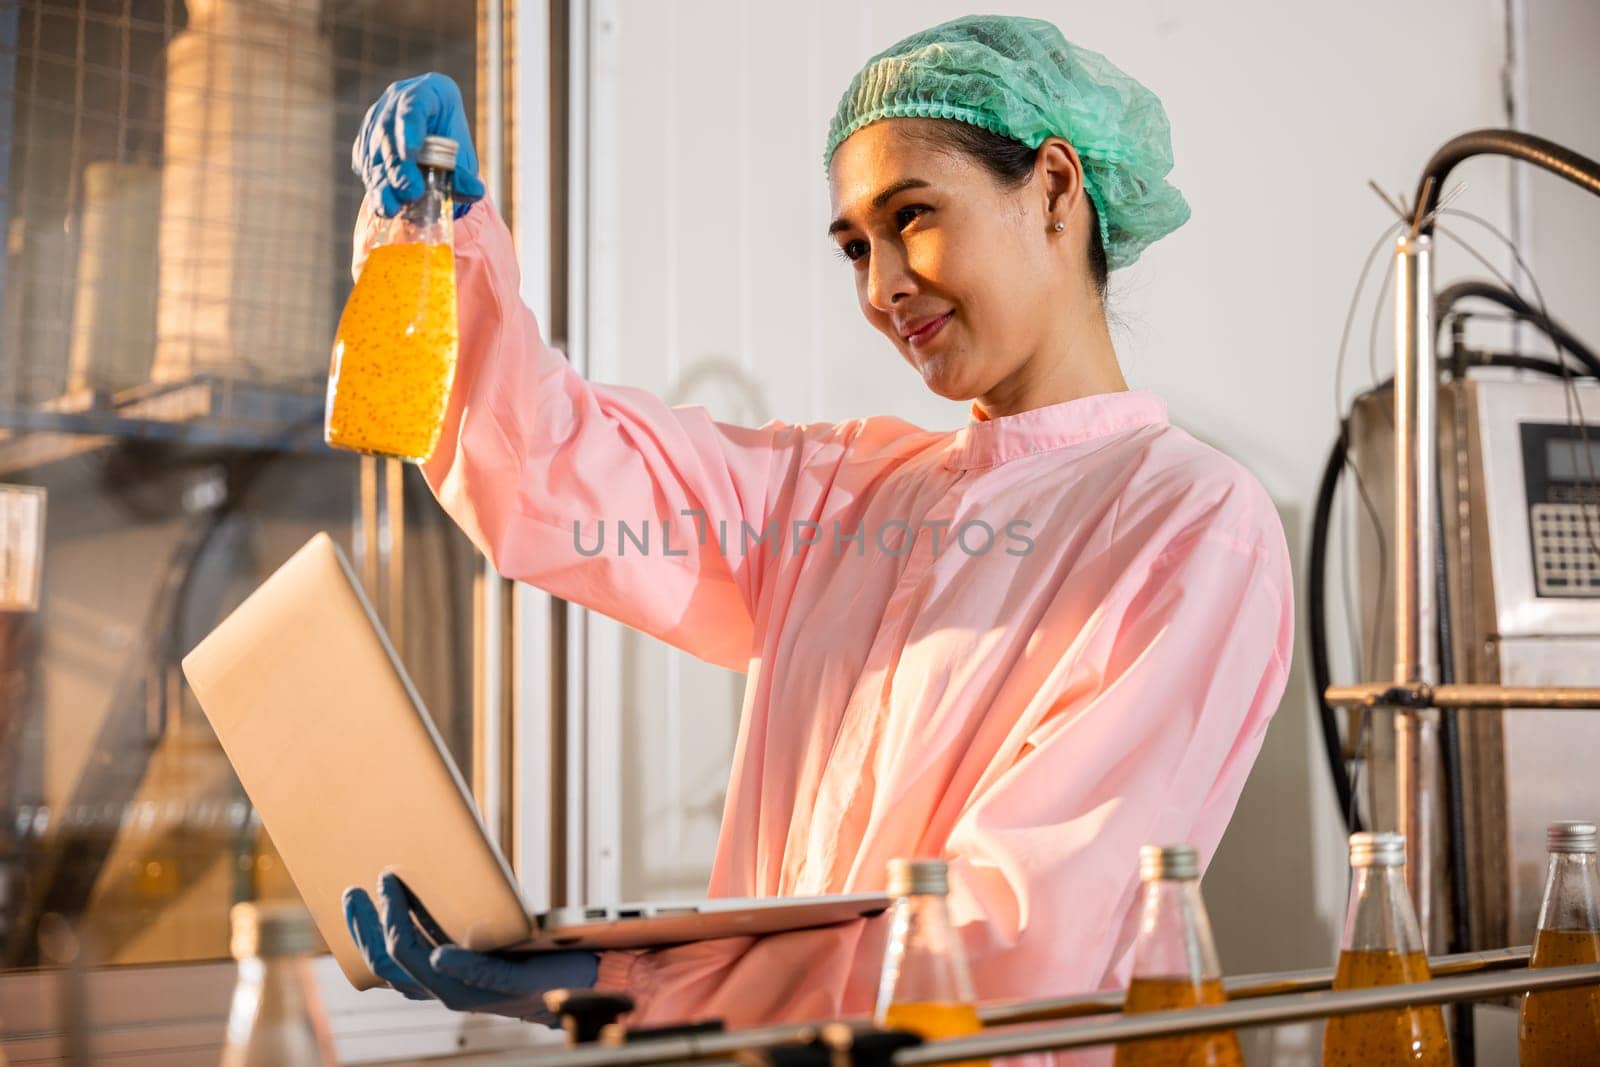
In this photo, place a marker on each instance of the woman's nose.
(888, 279)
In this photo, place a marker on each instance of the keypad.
(1566, 549)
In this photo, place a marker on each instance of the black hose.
(1453, 294)
(1464, 1038)
(1557, 159)
(1317, 620)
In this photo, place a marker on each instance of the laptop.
(335, 750)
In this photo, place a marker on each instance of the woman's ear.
(1061, 174)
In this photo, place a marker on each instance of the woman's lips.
(928, 332)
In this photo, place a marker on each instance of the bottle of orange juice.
(1175, 963)
(1563, 1026)
(394, 356)
(1383, 946)
(925, 987)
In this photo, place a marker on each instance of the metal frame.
(1414, 693)
(1255, 1000)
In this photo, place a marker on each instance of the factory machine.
(1478, 473)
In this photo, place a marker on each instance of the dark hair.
(1010, 162)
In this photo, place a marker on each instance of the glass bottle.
(925, 987)
(276, 1017)
(1175, 963)
(1563, 1026)
(394, 356)
(1383, 946)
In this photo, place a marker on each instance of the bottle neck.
(1174, 939)
(1571, 893)
(438, 180)
(276, 1016)
(429, 219)
(924, 962)
(1380, 917)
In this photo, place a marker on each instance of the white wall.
(712, 198)
(1560, 87)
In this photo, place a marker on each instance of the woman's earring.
(1060, 225)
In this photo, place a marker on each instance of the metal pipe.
(1266, 1012)
(365, 536)
(1470, 696)
(1416, 460)
(392, 546)
(1416, 472)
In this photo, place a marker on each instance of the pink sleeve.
(530, 448)
(1155, 717)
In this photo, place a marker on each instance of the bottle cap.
(1168, 862)
(909, 878)
(438, 152)
(272, 928)
(1377, 850)
(1573, 837)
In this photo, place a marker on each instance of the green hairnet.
(1019, 77)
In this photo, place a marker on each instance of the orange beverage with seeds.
(1382, 946)
(936, 1020)
(1415, 1035)
(1175, 963)
(394, 356)
(1562, 1026)
(1212, 1049)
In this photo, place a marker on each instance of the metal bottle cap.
(1377, 850)
(1573, 837)
(272, 928)
(438, 152)
(1168, 863)
(918, 878)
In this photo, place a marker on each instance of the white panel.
(532, 665)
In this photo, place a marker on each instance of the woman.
(1034, 702)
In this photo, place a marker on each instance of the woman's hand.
(406, 948)
(385, 151)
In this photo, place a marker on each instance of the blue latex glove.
(406, 948)
(384, 154)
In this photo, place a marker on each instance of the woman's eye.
(907, 213)
(852, 250)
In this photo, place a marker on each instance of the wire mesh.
(178, 198)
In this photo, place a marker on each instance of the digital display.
(1570, 460)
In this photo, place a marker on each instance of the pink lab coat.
(1032, 713)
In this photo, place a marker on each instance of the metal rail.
(1239, 987)
(1265, 1012)
(1465, 696)
(683, 1048)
